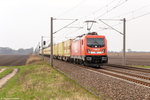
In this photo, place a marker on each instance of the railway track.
(138, 79)
(130, 74)
(130, 68)
(135, 78)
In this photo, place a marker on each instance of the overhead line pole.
(42, 46)
(51, 38)
(51, 35)
(124, 36)
(65, 26)
(124, 41)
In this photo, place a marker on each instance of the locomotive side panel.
(83, 47)
(76, 48)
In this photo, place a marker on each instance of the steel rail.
(125, 73)
(130, 68)
(119, 76)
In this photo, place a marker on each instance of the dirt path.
(7, 77)
(2, 70)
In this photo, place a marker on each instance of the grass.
(42, 82)
(141, 66)
(5, 72)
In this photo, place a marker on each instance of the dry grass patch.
(141, 66)
(33, 59)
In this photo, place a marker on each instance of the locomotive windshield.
(95, 42)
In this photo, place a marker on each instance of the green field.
(39, 81)
(5, 72)
(140, 66)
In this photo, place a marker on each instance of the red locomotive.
(89, 49)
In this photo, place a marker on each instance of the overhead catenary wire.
(139, 16)
(67, 33)
(65, 26)
(108, 28)
(132, 11)
(111, 27)
(69, 10)
(76, 31)
(63, 19)
(120, 2)
(136, 17)
(103, 7)
(118, 5)
(129, 19)
(99, 9)
(114, 7)
(80, 4)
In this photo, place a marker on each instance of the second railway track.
(130, 74)
(130, 68)
(142, 80)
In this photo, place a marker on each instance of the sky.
(23, 22)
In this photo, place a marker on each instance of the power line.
(111, 27)
(63, 19)
(69, 10)
(99, 9)
(65, 26)
(118, 5)
(133, 11)
(76, 30)
(142, 15)
(139, 16)
(103, 7)
(106, 28)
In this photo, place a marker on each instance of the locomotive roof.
(87, 35)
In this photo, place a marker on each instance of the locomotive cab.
(95, 49)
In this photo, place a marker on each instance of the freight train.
(88, 49)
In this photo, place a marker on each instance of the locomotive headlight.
(103, 51)
(88, 51)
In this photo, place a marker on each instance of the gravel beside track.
(13, 60)
(101, 84)
(127, 71)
